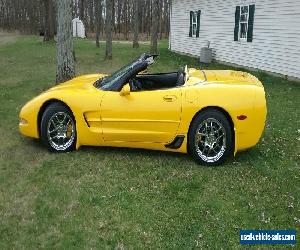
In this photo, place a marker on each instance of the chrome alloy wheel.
(60, 131)
(210, 140)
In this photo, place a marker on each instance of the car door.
(145, 116)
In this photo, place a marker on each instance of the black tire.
(210, 139)
(59, 119)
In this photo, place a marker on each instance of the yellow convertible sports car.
(210, 114)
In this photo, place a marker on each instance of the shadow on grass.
(180, 159)
(134, 152)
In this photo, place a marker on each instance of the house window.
(195, 23)
(244, 23)
(243, 30)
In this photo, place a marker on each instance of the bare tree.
(31, 17)
(98, 19)
(91, 15)
(154, 28)
(119, 11)
(49, 21)
(136, 24)
(125, 18)
(81, 9)
(108, 29)
(65, 68)
(113, 15)
(160, 18)
(167, 5)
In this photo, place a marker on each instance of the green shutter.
(237, 23)
(198, 23)
(191, 23)
(250, 23)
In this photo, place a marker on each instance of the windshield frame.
(117, 80)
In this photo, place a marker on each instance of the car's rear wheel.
(210, 138)
(58, 128)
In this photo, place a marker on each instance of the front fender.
(28, 115)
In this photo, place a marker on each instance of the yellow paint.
(152, 119)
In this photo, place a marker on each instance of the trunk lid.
(231, 77)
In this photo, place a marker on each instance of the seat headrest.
(180, 79)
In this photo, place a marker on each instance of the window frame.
(243, 22)
(194, 31)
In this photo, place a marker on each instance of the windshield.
(107, 82)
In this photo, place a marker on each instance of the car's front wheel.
(58, 128)
(210, 138)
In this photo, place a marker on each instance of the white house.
(261, 34)
(78, 28)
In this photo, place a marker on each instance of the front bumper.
(28, 129)
(28, 125)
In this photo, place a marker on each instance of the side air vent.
(176, 143)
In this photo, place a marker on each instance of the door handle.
(170, 98)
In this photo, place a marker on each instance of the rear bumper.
(249, 134)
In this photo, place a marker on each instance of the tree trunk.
(65, 69)
(126, 19)
(119, 16)
(154, 27)
(167, 18)
(113, 14)
(149, 19)
(91, 15)
(98, 13)
(136, 15)
(49, 21)
(81, 10)
(160, 18)
(82, 14)
(108, 29)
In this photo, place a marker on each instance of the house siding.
(276, 33)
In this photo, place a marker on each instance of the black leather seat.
(157, 81)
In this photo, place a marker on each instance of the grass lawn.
(125, 198)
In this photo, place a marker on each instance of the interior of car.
(144, 82)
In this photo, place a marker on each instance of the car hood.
(81, 82)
